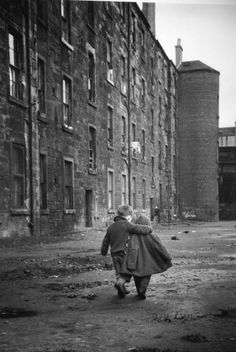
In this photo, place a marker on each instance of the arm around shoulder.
(139, 229)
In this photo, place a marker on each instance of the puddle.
(10, 312)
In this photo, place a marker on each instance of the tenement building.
(227, 173)
(89, 119)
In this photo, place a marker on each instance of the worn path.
(59, 296)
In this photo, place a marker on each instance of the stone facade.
(88, 116)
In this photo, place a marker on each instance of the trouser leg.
(143, 285)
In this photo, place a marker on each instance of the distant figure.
(146, 256)
(157, 214)
(116, 237)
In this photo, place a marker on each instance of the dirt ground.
(59, 296)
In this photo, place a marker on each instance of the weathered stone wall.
(198, 135)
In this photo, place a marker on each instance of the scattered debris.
(90, 296)
(195, 338)
(174, 237)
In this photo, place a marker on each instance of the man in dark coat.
(116, 237)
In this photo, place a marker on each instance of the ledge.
(68, 45)
(91, 103)
(68, 129)
(92, 171)
(22, 211)
(19, 102)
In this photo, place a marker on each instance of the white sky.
(207, 29)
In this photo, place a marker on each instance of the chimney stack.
(149, 13)
(178, 53)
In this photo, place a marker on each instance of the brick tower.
(198, 95)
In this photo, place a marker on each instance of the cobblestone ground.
(58, 296)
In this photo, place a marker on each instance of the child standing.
(117, 237)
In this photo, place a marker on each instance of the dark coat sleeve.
(139, 229)
(105, 244)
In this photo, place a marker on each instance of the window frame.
(69, 209)
(16, 69)
(92, 148)
(65, 22)
(14, 175)
(110, 191)
(91, 74)
(67, 101)
(124, 188)
(134, 192)
(41, 111)
(110, 72)
(44, 185)
(110, 125)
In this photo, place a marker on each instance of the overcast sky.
(207, 29)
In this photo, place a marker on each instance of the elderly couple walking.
(136, 251)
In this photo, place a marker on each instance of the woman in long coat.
(145, 256)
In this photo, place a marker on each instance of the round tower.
(198, 95)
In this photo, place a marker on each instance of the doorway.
(88, 208)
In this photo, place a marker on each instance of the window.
(18, 176)
(109, 61)
(133, 136)
(123, 131)
(42, 10)
(123, 68)
(160, 194)
(92, 148)
(144, 194)
(143, 92)
(123, 8)
(153, 166)
(67, 99)
(142, 38)
(68, 184)
(43, 181)
(152, 124)
(152, 75)
(123, 189)
(133, 83)
(143, 147)
(65, 17)
(110, 190)
(166, 159)
(133, 29)
(110, 125)
(160, 110)
(134, 192)
(15, 65)
(91, 14)
(41, 86)
(159, 155)
(91, 76)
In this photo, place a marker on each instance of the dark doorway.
(88, 208)
(151, 209)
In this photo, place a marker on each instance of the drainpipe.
(128, 111)
(28, 64)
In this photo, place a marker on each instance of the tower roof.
(195, 66)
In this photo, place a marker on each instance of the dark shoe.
(120, 290)
(126, 292)
(141, 295)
